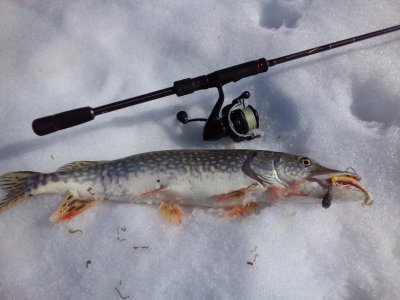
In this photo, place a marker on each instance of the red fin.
(277, 193)
(236, 194)
(71, 207)
(155, 191)
(171, 212)
(241, 210)
(232, 196)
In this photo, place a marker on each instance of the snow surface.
(341, 107)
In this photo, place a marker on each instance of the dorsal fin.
(77, 165)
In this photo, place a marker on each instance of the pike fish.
(235, 181)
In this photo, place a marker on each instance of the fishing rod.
(235, 120)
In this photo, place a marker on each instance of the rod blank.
(49, 124)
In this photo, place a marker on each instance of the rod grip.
(53, 123)
(220, 77)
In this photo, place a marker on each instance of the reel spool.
(235, 120)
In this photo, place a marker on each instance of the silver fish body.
(190, 177)
(204, 178)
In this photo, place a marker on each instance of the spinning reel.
(235, 120)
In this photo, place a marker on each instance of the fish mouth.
(326, 175)
(329, 177)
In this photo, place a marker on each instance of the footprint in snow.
(276, 14)
(373, 103)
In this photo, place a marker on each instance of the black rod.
(282, 59)
(52, 123)
(133, 101)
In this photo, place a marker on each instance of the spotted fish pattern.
(235, 180)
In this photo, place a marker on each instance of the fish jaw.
(325, 175)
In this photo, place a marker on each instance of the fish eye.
(305, 161)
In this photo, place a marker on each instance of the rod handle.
(220, 77)
(53, 123)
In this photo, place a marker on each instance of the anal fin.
(171, 212)
(71, 207)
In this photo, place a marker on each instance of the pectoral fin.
(71, 207)
(239, 194)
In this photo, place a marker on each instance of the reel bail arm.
(231, 120)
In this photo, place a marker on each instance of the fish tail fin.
(15, 184)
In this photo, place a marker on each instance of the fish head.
(293, 168)
(292, 175)
(305, 177)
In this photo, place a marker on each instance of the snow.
(341, 108)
